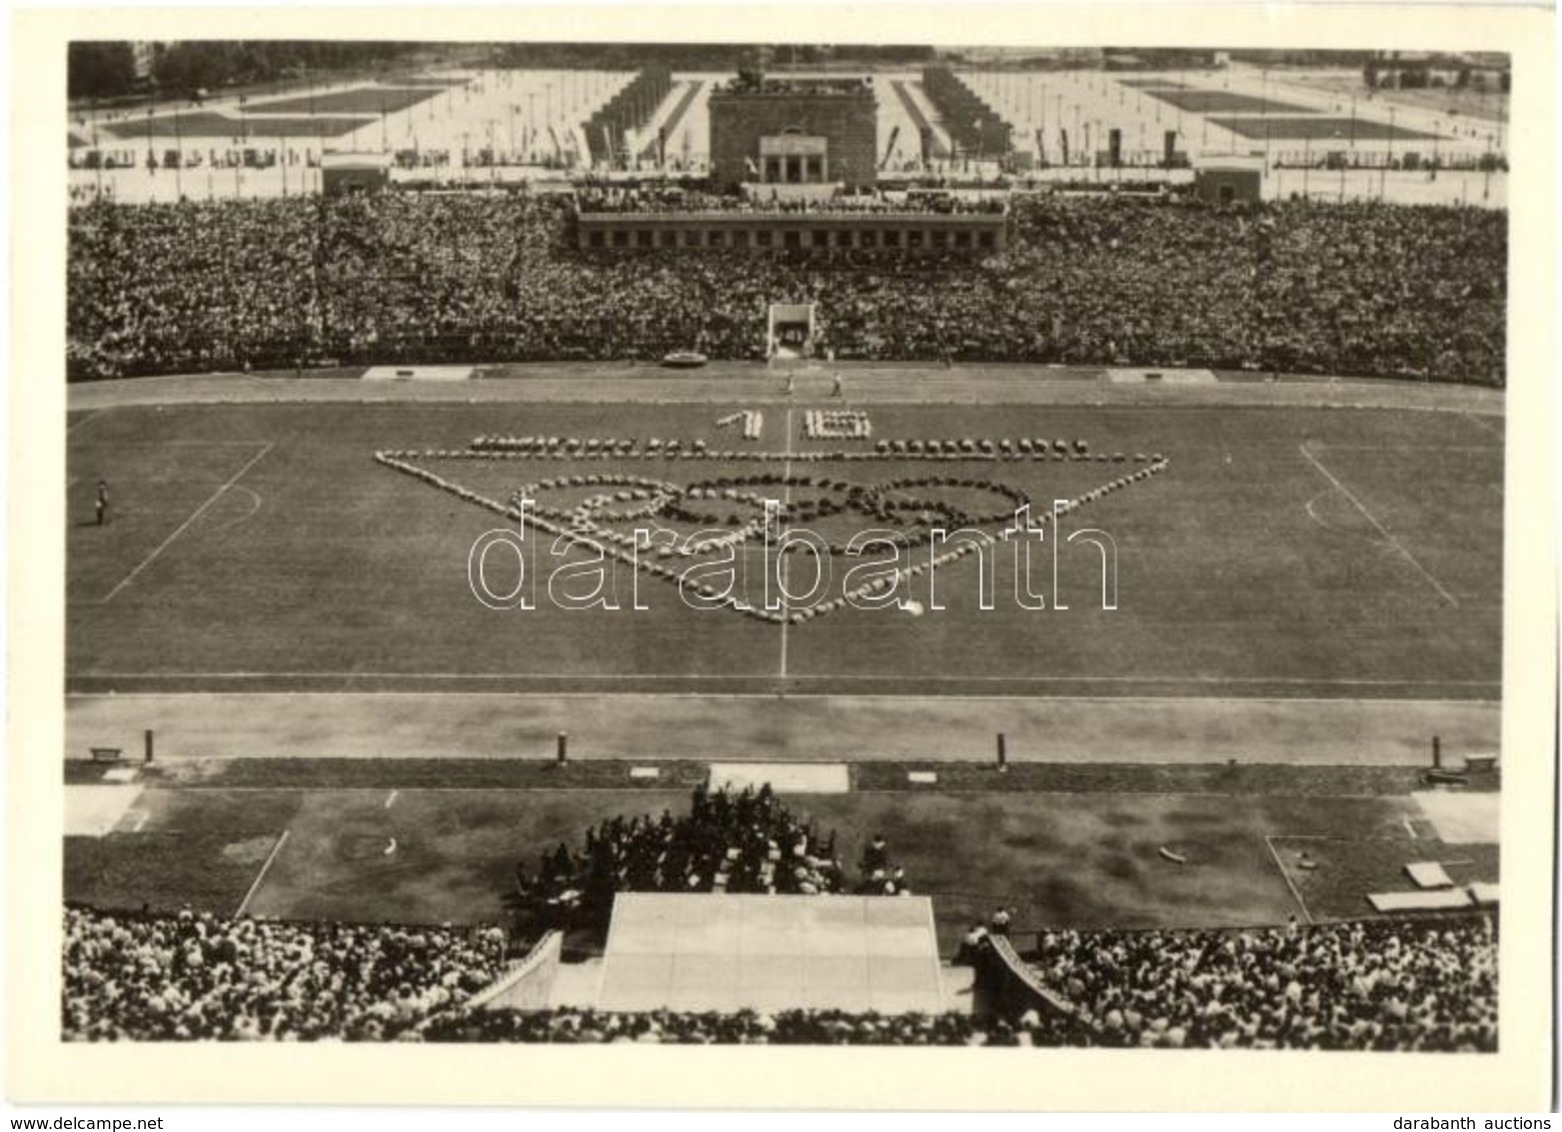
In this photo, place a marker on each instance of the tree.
(99, 69)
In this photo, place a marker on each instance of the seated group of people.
(1378, 984)
(742, 841)
(193, 976)
(1304, 287)
(1426, 985)
(745, 1027)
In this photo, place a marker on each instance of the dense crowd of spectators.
(753, 82)
(1374, 985)
(1353, 289)
(745, 1027)
(730, 841)
(652, 199)
(194, 976)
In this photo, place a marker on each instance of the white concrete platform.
(419, 373)
(577, 985)
(1484, 894)
(1436, 900)
(1161, 376)
(1429, 874)
(702, 952)
(784, 778)
(92, 811)
(1463, 817)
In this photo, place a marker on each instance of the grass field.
(1080, 858)
(1319, 128)
(1465, 104)
(204, 124)
(364, 100)
(1226, 101)
(1285, 552)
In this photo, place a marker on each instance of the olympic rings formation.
(633, 498)
(647, 497)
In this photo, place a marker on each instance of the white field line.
(1384, 531)
(1329, 446)
(260, 876)
(199, 511)
(247, 516)
(391, 799)
(1483, 425)
(1333, 530)
(1300, 903)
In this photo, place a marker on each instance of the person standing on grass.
(837, 390)
(100, 506)
(999, 924)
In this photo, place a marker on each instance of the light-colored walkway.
(752, 383)
(796, 728)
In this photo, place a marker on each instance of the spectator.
(1308, 287)
(744, 841)
(971, 945)
(1370, 985)
(194, 976)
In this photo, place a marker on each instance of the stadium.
(702, 545)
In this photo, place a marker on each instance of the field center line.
(260, 876)
(198, 512)
(1302, 904)
(1384, 531)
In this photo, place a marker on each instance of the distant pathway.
(692, 91)
(936, 147)
(753, 383)
(800, 728)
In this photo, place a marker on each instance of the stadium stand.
(1353, 289)
(629, 109)
(649, 199)
(791, 1027)
(1427, 985)
(194, 976)
(973, 124)
(1382, 985)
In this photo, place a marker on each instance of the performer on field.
(101, 504)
